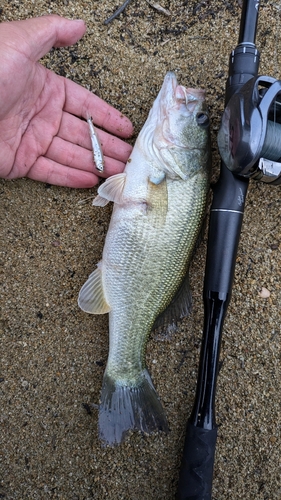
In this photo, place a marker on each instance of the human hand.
(41, 133)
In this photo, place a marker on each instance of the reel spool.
(249, 138)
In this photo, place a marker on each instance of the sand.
(53, 355)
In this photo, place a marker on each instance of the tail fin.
(128, 407)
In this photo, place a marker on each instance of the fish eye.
(203, 119)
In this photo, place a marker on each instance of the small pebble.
(264, 293)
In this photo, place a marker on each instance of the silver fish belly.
(159, 205)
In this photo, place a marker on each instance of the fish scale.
(159, 205)
(129, 328)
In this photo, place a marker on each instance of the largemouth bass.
(159, 204)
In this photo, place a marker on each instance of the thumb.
(38, 35)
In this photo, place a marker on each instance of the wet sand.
(53, 355)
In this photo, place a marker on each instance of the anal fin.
(91, 297)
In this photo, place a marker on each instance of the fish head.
(178, 125)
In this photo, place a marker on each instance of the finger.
(47, 170)
(73, 156)
(75, 130)
(81, 102)
(37, 36)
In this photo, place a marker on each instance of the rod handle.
(196, 473)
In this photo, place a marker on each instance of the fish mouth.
(173, 95)
(167, 126)
(174, 98)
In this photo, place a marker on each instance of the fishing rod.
(249, 141)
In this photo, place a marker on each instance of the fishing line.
(276, 105)
(278, 8)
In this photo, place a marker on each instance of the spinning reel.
(249, 138)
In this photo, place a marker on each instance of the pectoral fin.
(157, 199)
(111, 190)
(91, 297)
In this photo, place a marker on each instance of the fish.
(96, 146)
(142, 278)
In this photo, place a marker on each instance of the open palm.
(42, 135)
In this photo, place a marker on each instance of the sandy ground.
(53, 355)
